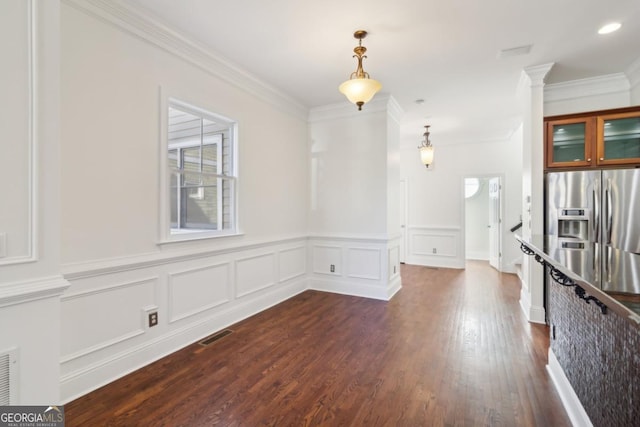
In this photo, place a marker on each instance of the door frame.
(463, 234)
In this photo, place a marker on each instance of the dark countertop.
(580, 262)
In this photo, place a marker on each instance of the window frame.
(167, 234)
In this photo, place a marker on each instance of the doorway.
(483, 219)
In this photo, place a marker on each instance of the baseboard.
(437, 262)
(537, 315)
(570, 401)
(534, 314)
(476, 255)
(365, 290)
(100, 373)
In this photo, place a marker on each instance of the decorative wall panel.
(96, 319)
(196, 290)
(17, 164)
(435, 246)
(292, 263)
(324, 256)
(255, 273)
(364, 263)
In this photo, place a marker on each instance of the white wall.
(30, 280)
(110, 131)
(349, 160)
(436, 197)
(112, 73)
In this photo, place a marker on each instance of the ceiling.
(444, 52)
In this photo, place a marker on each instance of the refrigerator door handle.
(608, 264)
(609, 213)
(596, 211)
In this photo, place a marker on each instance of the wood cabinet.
(596, 139)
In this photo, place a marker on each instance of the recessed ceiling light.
(610, 28)
(419, 101)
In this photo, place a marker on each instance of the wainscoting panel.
(292, 263)
(105, 332)
(435, 247)
(255, 273)
(364, 263)
(434, 244)
(99, 318)
(361, 266)
(324, 256)
(394, 262)
(199, 289)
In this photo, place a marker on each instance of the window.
(201, 173)
(471, 187)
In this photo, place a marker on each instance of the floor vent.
(215, 337)
(8, 378)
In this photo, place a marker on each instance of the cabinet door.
(618, 139)
(570, 142)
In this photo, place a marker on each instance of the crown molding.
(633, 73)
(380, 103)
(601, 85)
(141, 24)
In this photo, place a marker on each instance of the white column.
(531, 93)
(354, 212)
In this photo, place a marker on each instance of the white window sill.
(182, 236)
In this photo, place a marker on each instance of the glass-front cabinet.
(601, 138)
(619, 139)
(570, 142)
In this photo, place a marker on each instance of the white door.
(403, 220)
(495, 221)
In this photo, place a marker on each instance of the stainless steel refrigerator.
(602, 207)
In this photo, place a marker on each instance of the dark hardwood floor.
(452, 348)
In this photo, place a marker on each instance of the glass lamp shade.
(360, 91)
(426, 155)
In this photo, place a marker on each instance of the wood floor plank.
(452, 348)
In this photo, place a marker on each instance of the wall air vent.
(8, 377)
(514, 51)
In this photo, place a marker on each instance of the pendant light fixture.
(359, 89)
(426, 149)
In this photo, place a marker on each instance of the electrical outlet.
(153, 319)
(332, 268)
(435, 251)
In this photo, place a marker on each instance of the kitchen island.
(594, 328)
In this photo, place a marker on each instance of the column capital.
(537, 73)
